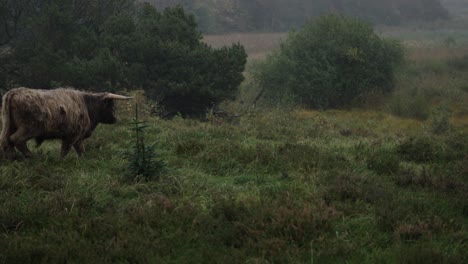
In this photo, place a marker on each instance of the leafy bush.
(419, 149)
(328, 63)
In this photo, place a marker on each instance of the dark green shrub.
(164, 55)
(201, 79)
(419, 149)
(383, 162)
(341, 188)
(411, 217)
(329, 63)
(457, 146)
(450, 148)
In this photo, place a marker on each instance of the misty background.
(217, 16)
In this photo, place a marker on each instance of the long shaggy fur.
(4, 144)
(65, 114)
(59, 113)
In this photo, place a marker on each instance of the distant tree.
(328, 63)
(184, 74)
(50, 34)
(11, 12)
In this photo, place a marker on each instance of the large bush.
(164, 55)
(126, 45)
(328, 63)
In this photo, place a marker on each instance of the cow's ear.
(117, 97)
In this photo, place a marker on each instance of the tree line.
(217, 16)
(116, 44)
(109, 45)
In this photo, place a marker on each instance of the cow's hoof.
(8, 156)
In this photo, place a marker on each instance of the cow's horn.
(117, 97)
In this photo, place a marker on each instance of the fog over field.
(282, 15)
(424, 33)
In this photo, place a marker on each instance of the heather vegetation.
(275, 186)
(379, 177)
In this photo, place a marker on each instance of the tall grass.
(429, 80)
(273, 188)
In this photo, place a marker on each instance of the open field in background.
(458, 8)
(423, 41)
(417, 35)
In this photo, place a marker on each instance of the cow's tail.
(6, 122)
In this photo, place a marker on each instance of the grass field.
(276, 187)
(385, 184)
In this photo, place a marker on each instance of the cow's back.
(59, 113)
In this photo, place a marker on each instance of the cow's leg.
(7, 151)
(19, 139)
(66, 146)
(6, 147)
(23, 148)
(79, 147)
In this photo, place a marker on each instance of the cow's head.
(101, 107)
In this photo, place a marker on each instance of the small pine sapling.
(142, 160)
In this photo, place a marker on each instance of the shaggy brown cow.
(65, 114)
